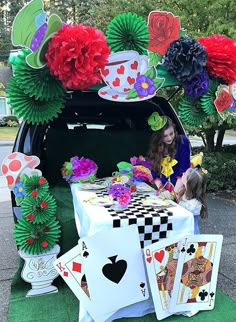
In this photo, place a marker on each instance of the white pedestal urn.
(39, 271)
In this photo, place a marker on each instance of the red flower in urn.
(164, 27)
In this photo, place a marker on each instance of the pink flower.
(124, 199)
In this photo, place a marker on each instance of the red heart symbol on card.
(115, 96)
(105, 72)
(126, 89)
(149, 259)
(120, 70)
(134, 65)
(116, 82)
(103, 93)
(159, 255)
(130, 80)
(138, 74)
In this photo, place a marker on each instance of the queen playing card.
(161, 260)
(113, 263)
(196, 274)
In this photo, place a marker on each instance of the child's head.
(194, 180)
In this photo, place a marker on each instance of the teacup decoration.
(129, 78)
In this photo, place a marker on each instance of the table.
(153, 224)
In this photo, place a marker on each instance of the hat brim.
(36, 59)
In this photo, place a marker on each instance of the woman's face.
(168, 135)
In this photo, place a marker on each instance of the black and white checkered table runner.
(144, 217)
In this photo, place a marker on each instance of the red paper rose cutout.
(221, 57)
(164, 27)
(75, 55)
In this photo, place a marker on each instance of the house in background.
(5, 74)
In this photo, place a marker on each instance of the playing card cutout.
(111, 266)
(115, 270)
(196, 274)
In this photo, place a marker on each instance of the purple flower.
(198, 86)
(117, 190)
(141, 161)
(144, 86)
(82, 168)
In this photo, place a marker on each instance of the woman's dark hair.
(196, 188)
(157, 148)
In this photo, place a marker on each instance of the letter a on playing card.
(114, 268)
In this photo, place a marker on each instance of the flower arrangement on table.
(137, 170)
(121, 193)
(79, 170)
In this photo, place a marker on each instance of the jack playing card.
(113, 262)
(196, 274)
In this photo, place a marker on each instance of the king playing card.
(196, 274)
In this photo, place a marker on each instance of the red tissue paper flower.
(75, 54)
(221, 56)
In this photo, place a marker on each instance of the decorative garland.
(128, 32)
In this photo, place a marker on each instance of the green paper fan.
(191, 112)
(36, 82)
(38, 209)
(128, 32)
(36, 239)
(207, 100)
(36, 183)
(29, 108)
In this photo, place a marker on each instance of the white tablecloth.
(91, 219)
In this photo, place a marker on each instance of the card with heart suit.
(196, 274)
(113, 262)
(161, 261)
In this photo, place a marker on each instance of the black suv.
(105, 131)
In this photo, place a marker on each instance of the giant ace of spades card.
(161, 261)
(196, 274)
(113, 262)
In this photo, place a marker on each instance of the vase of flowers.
(121, 194)
(79, 170)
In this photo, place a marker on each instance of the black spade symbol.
(142, 285)
(85, 254)
(203, 295)
(191, 249)
(116, 270)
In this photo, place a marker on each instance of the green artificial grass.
(64, 306)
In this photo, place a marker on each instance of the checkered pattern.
(153, 223)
